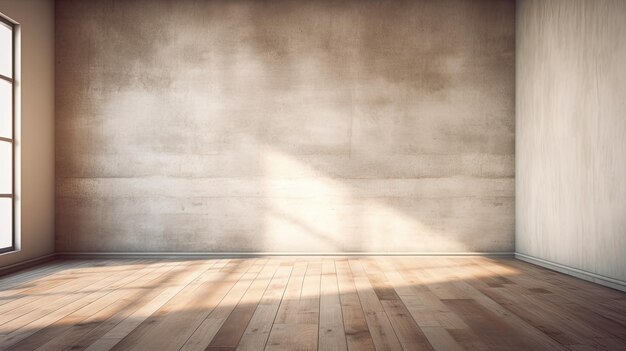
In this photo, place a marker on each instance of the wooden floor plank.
(82, 336)
(57, 306)
(63, 285)
(438, 323)
(131, 283)
(258, 329)
(306, 303)
(410, 335)
(36, 280)
(235, 311)
(567, 321)
(296, 325)
(331, 333)
(152, 311)
(378, 323)
(288, 309)
(291, 337)
(181, 315)
(358, 336)
(533, 338)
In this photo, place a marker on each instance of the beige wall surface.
(292, 126)
(571, 123)
(36, 142)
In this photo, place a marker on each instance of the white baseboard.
(261, 253)
(575, 272)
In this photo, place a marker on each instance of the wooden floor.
(307, 303)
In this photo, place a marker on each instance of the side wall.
(36, 142)
(571, 135)
(292, 126)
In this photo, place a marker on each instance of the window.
(7, 138)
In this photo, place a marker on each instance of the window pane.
(6, 109)
(6, 223)
(6, 50)
(6, 168)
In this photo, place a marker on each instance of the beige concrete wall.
(571, 128)
(36, 140)
(285, 126)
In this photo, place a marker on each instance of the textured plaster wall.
(285, 126)
(35, 128)
(571, 128)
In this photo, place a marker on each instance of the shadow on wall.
(285, 126)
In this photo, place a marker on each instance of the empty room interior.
(345, 175)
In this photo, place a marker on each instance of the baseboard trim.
(575, 272)
(19, 266)
(75, 255)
